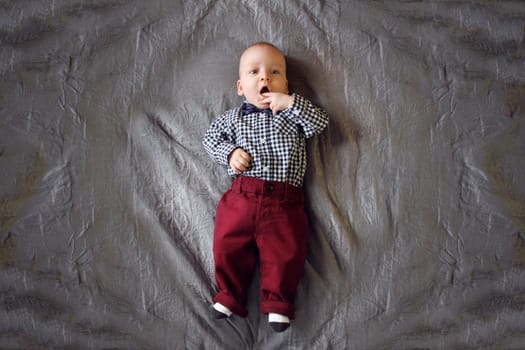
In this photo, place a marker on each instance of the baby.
(262, 215)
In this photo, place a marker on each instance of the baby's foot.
(278, 322)
(220, 311)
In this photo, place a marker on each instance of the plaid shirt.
(277, 144)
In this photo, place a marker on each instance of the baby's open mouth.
(264, 90)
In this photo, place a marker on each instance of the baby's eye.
(275, 71)
(252, 71)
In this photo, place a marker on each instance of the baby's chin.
(258, 104)
(261, 105)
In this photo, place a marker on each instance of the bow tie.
(248, 108)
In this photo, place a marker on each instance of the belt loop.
(239, 184)
(236, 185)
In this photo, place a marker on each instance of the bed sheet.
(416, 192)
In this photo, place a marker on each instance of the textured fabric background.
(416, 189)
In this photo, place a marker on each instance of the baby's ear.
(239, 88)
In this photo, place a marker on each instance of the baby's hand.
(278, 101)
(239, 160)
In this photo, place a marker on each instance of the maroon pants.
(268, 218)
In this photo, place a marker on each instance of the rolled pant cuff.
(278, 308)
(231, 304)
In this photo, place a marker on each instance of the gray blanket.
(416, 190)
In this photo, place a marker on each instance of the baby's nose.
(265, 75)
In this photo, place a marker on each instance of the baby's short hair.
(262, 43)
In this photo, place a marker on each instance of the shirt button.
(265, 168)
(263, 140)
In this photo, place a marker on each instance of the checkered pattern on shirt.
(277, 144)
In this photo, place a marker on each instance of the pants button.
(268, 187)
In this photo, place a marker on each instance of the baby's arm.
(304, 113)
(219, 140)
(220, 143)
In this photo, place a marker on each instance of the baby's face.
(261, 69)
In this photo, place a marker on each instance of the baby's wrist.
(291, 100)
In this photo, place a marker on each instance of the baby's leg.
(282, 246)
(234, 251)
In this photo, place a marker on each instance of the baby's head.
(262, 68)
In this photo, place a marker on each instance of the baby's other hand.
(278, 101)
(239, 160)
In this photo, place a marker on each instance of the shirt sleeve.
(303, 113)
(219, 140)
